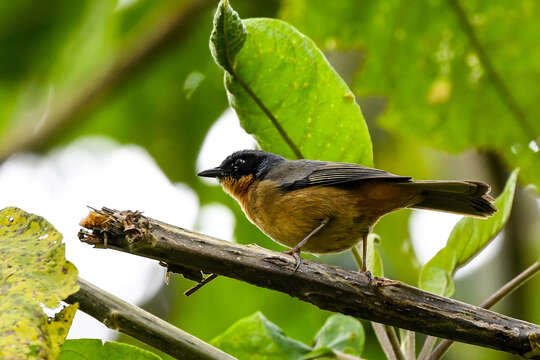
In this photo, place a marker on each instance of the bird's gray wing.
(328, 174)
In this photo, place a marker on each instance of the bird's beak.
(212, 173)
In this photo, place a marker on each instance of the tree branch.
(134, 321)
(328, 287)
(124, 67)
(507, 289)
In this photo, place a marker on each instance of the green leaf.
(257, 338)
(467, 239)
(281, 72)
(94, 349)
(33, 271)
(341, 333)
(228, 36)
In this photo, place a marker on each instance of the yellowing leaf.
(33, 271)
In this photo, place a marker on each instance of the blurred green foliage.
(416, 59)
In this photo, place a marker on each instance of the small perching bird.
(327, 207)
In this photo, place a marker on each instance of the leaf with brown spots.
(33, 271)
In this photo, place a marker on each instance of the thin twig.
(134, 321)
(394, 342)
(408, 344)
(384, 341)
(503, 90)
(506, 290)
(201, 283)
(130, 62)
(427, 347)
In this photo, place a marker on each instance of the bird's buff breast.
(288, 217)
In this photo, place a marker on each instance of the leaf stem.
(357, 257)
(506, 290)
(134, 321)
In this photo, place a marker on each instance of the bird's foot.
(296, 254)
(368, 274)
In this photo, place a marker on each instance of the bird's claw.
(297, 258)
(369, 275)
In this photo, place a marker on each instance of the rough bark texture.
(134, 321)
(328, 287)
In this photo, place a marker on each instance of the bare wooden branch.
(328, 287)
(507, 289)
(134, 321)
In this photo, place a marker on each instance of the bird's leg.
(295, 251)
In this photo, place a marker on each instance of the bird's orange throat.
(238, 188)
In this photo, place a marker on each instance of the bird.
(323, 207)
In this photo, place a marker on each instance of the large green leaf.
(281, 72)
(33, 271)
(421, 57)
(94, 349)
(467, 239)
(257, 338)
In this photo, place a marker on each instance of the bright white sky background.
(98, 172)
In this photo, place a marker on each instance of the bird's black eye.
(238, 164)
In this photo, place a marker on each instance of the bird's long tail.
(460, 197)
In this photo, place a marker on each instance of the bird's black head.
(244, 163)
